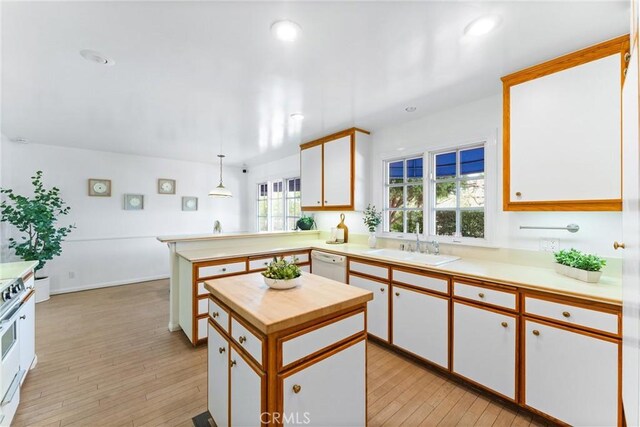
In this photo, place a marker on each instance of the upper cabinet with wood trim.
(333, 171)
(562, 132)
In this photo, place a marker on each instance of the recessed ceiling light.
(97, 57)
(297, 116)
(482, 26)
(285, 30)
(20, 140)
(410, 109)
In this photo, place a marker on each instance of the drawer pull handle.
(215, 314)
(397, 294)
(233, 363)
(566, 314)
(381, 289)
(296, 388)
(617, 245)
(222, 350)
(242, 339)
(23, 317)
(536, 332)
(481, 295)
(504, 324)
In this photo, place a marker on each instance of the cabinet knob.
(224, 269)
(23, 317)
(296, 388)
(566, 314)
(481, 295)
(617, 245)
(266, 263)
(233, 363)
(222, 350)
(318, 202)
(504, 324)
(381, 289)
(518, 194)
(326, 201)
(397, 294)
(215, 314)
(536, 332)
(242, 339)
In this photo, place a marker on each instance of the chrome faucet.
(418, 249)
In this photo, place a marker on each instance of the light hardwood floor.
(106, 358)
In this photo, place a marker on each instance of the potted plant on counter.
(282, 274)
(36, 218)
(372, 218)
(581, 266)
(305, 223)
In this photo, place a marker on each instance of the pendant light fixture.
(220, 190)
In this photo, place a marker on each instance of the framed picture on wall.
(166, 186)
(189, 203)
(133, 202)
(99, 187)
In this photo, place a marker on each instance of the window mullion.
(458, 216)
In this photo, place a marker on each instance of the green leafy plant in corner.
(372, 218)
(575, 258)
(36, 218)
(281, 269)
(305, 223)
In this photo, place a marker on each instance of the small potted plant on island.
(36, 217)
(581, 266)
(282, 274)
(372, 218)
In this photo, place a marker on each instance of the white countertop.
(609, 289)
(238, 235)
(10, 270)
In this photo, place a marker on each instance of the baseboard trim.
(107, 284)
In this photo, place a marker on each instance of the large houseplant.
(36, 218)
(372, 218)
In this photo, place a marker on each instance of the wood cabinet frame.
(617, 45)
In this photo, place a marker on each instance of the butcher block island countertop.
(271, 310)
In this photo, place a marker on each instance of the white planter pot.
(576, 273)
(372, 240)
(282, 284)
(42, 289)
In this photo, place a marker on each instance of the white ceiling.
(190, 76)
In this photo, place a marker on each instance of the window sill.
(458, 241)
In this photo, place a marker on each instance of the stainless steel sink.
(416, 257)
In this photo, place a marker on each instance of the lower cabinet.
(421, 324)
(328, 392)
(570, 375)
(484, 347)
(378, 308)
(27, 333)
(246, 392)
(218, 377)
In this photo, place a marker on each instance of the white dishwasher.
(329, 265)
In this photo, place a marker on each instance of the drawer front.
(201, 289)
(202, 328)
(218, 315)
(572, 315)
(304, 345)
(301, 257)
(259, 263)
(262, 263)
(306, 268)
(203, 305)
(370, 270)
(222, 269)
(247, 340)
(485, 295)
(421, 281)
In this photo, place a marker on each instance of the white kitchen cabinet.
(311, 177)
(246, 392)
(378, 308)
(561, 117)
(218, 380)
(570, 375)
(27, 333)
(421, 324)
(484, 347)
(337, 172)
(328, 392)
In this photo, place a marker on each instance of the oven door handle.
(13, 388)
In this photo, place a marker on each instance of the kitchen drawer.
(261, 263)
(222, 269)
(202, 328)
(202, 290)
(572, 315)
(301, 257)
(303, 345)
(435, 284)
(369, 269)
(306, 268)
(247, 340)
(485, 295)
(219, 315)
(203, 305)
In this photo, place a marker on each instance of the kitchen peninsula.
(286, 356)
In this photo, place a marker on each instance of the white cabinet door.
(337, 172)
(246, 393)
(218, 378)
(27, 333)
(421, 324)
(484, 348)
(311, 177)
(330, 392)
(571, 376)
(378, 308)
(564, 123)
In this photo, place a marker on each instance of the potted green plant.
(581, 266)
(305, 222)
(282, 274)
(372, 218)
(36, 218)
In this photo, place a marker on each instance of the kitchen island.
(295, 356)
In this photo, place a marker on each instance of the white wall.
(111, 245)
(463, 124)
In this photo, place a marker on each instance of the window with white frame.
(278, 204)
(404, 200)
